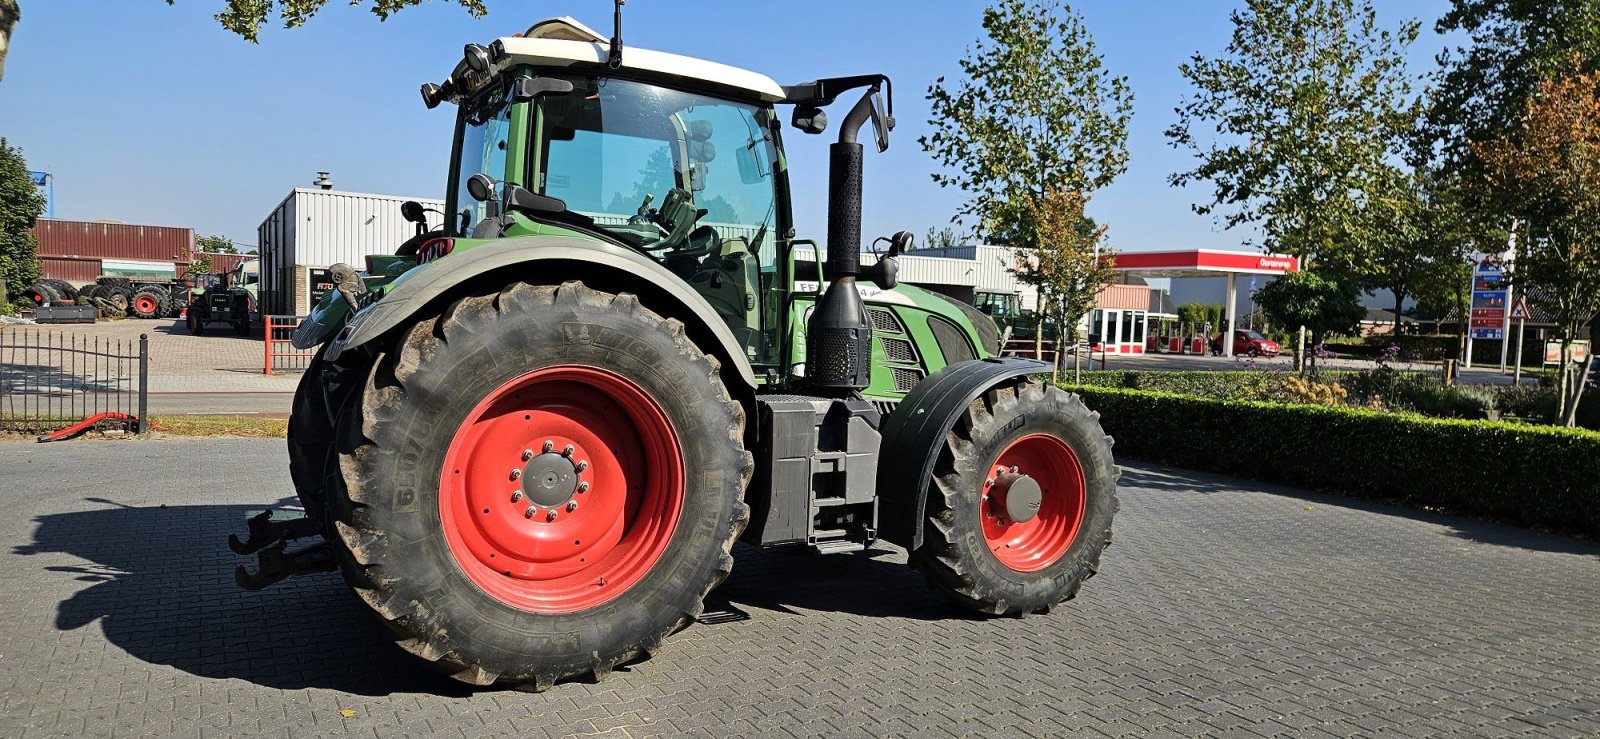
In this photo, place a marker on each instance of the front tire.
(1021, 503)
(540, 484)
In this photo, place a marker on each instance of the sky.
(150, 113)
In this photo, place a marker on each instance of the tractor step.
(838, 545)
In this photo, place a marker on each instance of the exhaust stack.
(838, 336)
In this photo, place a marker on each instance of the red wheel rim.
(561, 489)
(144, 304)
(1032, 545)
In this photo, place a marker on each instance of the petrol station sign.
(1491, 298)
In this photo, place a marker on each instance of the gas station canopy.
(1203, 263)
(1207, 263)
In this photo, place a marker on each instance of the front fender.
(535, 257)
(914, 433)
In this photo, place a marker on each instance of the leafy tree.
(1308, 104)
(248, 17)
(941, 238)
(1323, 305)
(1073, 266)
(9, 15)
(1483, 85)
(1421, 229)
(216, 244)
(21, 204)
(1546, 173)
(200, 264)
(1037, 112)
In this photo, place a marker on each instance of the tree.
(1546, 174)
(1421, 229)
(1309, 104)
(941, 238)
(216, 244)
(9, 15)
(1072, 264)
(1323, 305)
(1483, 85)
(200, 264)
(248, 17)
(1038, 112)
(21, 204)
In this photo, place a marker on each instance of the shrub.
(1540, 476)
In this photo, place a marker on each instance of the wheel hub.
(549, 480)
(1019, 494)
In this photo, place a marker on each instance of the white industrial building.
(313, 229)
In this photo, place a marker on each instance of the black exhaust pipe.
(838, 336)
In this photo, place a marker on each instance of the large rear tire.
(540, 484)
(147, 303)
(323, 394)
(1021, 502)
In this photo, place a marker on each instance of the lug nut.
(527, 454)
(572, 505)
(548, 445)
(1013, 469)
(516, 474)
(583, 465)
(567, 450)
(531, 510)
(551, 516)
(583, 487)
(516, 495)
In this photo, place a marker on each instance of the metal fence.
(49, 381)
(279, 355)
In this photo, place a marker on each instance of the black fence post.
(144, 383)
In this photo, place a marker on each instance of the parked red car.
(1247, 341)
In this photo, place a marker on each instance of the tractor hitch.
(268, 539)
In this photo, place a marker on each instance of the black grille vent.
(905, 379)
(885, 321)
(898, 350)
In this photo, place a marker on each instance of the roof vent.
(323, 181)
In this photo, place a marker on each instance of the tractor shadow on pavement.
(874, 583)
(160, 582)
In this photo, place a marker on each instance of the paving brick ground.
(1225, 608)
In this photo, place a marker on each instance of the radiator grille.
(905, 379)
(885, 321)
(898, 350)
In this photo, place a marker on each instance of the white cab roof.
(560, 42)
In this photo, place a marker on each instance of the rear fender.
(915, 432)
(549, 260)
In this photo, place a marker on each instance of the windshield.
(612, 145)
(1254, 335)
(484, 127)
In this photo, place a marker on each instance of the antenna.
(614, 60)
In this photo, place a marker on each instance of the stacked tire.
(51, 292)
(151, 301)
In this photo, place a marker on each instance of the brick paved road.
(1225, 608)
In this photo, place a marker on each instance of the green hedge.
(1541, 476)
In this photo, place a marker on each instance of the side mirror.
(481, 187)
(411, 210)
(882, 122)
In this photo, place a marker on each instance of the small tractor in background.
(224, 298)
(530, 438)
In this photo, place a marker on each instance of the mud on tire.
(957, 553)
(427, 387)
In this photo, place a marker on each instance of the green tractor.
(531, 437)
(224, 298)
